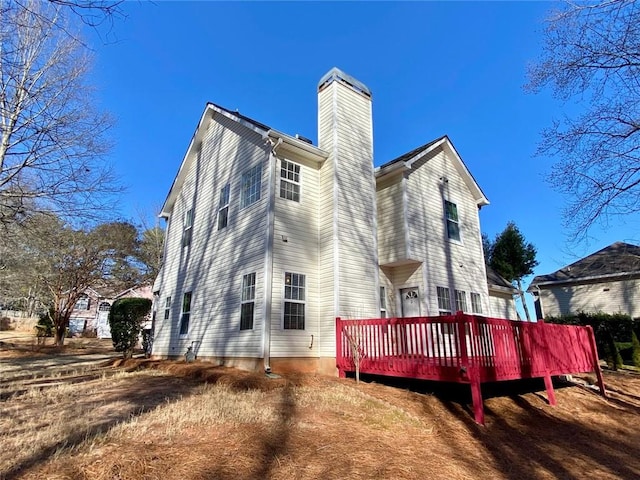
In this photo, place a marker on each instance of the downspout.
(268, 265)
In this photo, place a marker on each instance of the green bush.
(44, 327)
(635, 350)
(125, 320)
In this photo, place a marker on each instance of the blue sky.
(455, 68)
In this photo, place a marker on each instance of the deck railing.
(465, 348)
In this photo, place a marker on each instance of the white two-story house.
(270, 238)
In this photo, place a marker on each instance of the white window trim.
(296, 183)
(303, 302)
(442, 311)
(250, 171)
(383, 302)
(187, 227)
(461, 298)
(446, 221)
(182, 312)
(244, 301)
(225, 206)
(167, 307)
(478, 310)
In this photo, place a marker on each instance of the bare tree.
(53, 139)
(71, 260)
(592, 58)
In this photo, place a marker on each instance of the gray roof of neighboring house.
(497, 280)
(618, 259)
(409, 155)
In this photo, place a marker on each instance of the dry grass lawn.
(170, 420)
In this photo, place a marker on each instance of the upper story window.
(290, 180)
(250, 186)
(453, 224)
(476, 303)
(167, 307)
(248, 301)
(294, 301)
(223, 207)
(187, 228)
(186, 314)
(444, 301)
(383, 303)
(82, 303)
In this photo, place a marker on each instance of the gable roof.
(406, 161)
(616, 260)
(268, 134)
(498, 282)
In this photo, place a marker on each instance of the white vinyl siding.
(456, 265)
(392, 245)
(616, 296)
(228, 150)
(296, 250)
(347, 136)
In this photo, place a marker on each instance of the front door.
(410, 302)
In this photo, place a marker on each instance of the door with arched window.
(103, 329)
(410, 302)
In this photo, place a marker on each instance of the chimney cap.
(336, 74)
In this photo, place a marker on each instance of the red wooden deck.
(465, 348)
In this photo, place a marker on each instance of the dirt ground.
(145, 419)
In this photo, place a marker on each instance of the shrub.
(125, 320)
(635, 350)
(5, 323)
(44, 327)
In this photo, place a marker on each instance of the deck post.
(596, 362)
(468, 363)
(339, 358)
(548, 382)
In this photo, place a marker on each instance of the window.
(223, 207)
(294, 301)
(187, 228)
(444, 301)
(167, 308)
(453, 226)
(248, 297)
(83, 303)
(250, 187)
(461, 301)
(383, 303)
(290, 180)
(476, 303)
(186, 313)
(104, 307)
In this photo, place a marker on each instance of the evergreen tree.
(513, 258)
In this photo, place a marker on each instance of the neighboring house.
(270, 238)
(606, 281)
(91, 311)
(501, 296)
